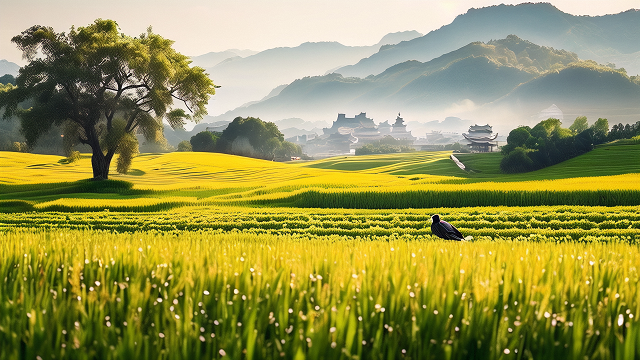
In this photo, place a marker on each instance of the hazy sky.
(201, 26)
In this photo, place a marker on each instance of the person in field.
(444, 230)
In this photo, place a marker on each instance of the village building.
(384, 128)
(345, 125)
(481, 138)
(399, 130)
(347, 133)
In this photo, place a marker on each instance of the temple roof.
(480, 138)
(482, 128)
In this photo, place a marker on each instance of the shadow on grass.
(136, 172)
(29, 191)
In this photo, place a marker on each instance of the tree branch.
(183, 100)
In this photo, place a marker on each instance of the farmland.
(87, 293)
(421, 180)
(212, 256)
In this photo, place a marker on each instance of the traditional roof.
(480, 128)
(480, 138)
(399, 122)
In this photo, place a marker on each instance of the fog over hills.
(504, 82)
(609, 38)
(250, 78)
(580, 89)
(214, 58)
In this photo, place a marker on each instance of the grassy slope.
(606, 160)
(168, 180)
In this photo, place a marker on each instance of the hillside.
(580, 89)
(505, 82)
(609, 38)
(211, 59)
(7, 67)
(250, 78)
(486, 166)
(160, 181)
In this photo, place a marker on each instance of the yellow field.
(174, 268)
(187, 177)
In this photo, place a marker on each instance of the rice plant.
(85, 294)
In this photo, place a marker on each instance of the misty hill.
(7, 67)
(214, 58)
(609, 38)
(583, 88)
(398, 37)
(452, 84)
(245, 79)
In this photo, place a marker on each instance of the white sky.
(201, 26)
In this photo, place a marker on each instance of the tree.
(256, 138)
(106, 85)
(600, 131)
(256, 131)
(203, 141)
(517, 161)
(7, 79)
(545, 144)
(579, 125)
(185, 146)
(519, 136)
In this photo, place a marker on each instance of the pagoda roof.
(480, 128)
(480, 138)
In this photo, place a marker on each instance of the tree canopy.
(549, 143)
(7, 79)
(256, 138)
(103, 87)
(204, 141)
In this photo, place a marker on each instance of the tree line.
(548, 143)
(386, 145)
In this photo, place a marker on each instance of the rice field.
(87, 294)
(503, 222)
(163, 181)
(194, 256)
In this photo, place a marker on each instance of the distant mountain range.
(503, 81)
(609, 38)
(7, 67)
(214, 58)
(473, 68)
(250, 78)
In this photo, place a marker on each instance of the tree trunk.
(99, 161)
(100, 165)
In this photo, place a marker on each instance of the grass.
(486, 166)
(194, 256)
(532, 223)
(162, 181)
(84, 294)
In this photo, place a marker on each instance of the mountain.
(7, 67)
(583, 88)
(460, 83)
(398, 37)
(214, 58)
(246, 79)
(609, 38)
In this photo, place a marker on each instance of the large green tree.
(256, 138)
(103, 86)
